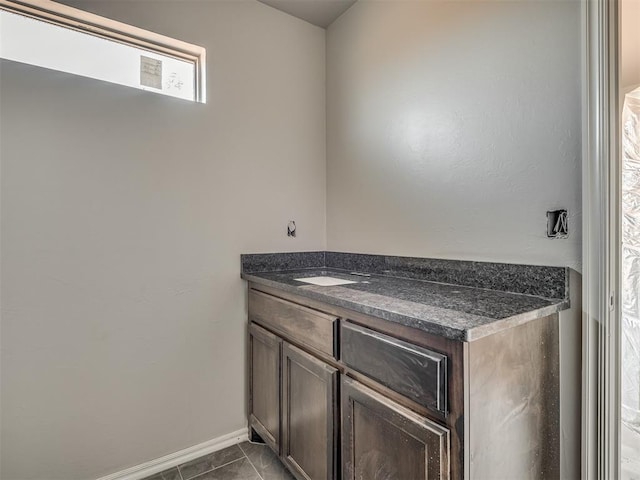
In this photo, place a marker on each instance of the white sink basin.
(325, 281)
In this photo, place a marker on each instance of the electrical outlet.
(557, 224)
(291, 229)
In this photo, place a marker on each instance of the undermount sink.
(325, 281)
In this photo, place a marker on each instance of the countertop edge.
(503, 324)
(452, 333)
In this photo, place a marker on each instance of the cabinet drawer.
(292, 321)
(415, 372)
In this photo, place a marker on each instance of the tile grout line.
(242, 450)
(250, 462)
(216, 468)
(254, 468)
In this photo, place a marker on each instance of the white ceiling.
(319, 12)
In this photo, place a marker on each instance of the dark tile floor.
(245, 461)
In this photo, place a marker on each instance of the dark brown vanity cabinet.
(340, 395)
(383, 440)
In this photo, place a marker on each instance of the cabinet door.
(383, 440)
(309, 415)
(264, 385)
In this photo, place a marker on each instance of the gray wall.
(453, 127)
(123, 217)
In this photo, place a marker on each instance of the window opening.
(66, 39)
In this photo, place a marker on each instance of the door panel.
(381, 440)
(309, 420)
(264, 385)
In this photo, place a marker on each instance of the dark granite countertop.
(458, 312)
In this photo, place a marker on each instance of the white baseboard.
(174, 459)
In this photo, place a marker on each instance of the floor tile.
(209, 462)
(237, 470)
(171, 474)
(265, 461)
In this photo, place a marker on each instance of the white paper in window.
(150, 72)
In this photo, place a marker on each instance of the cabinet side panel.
(514, 403)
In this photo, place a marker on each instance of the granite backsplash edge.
(537, 280)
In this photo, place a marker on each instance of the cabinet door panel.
(309, 415)
(382, 440)
(264, 385)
